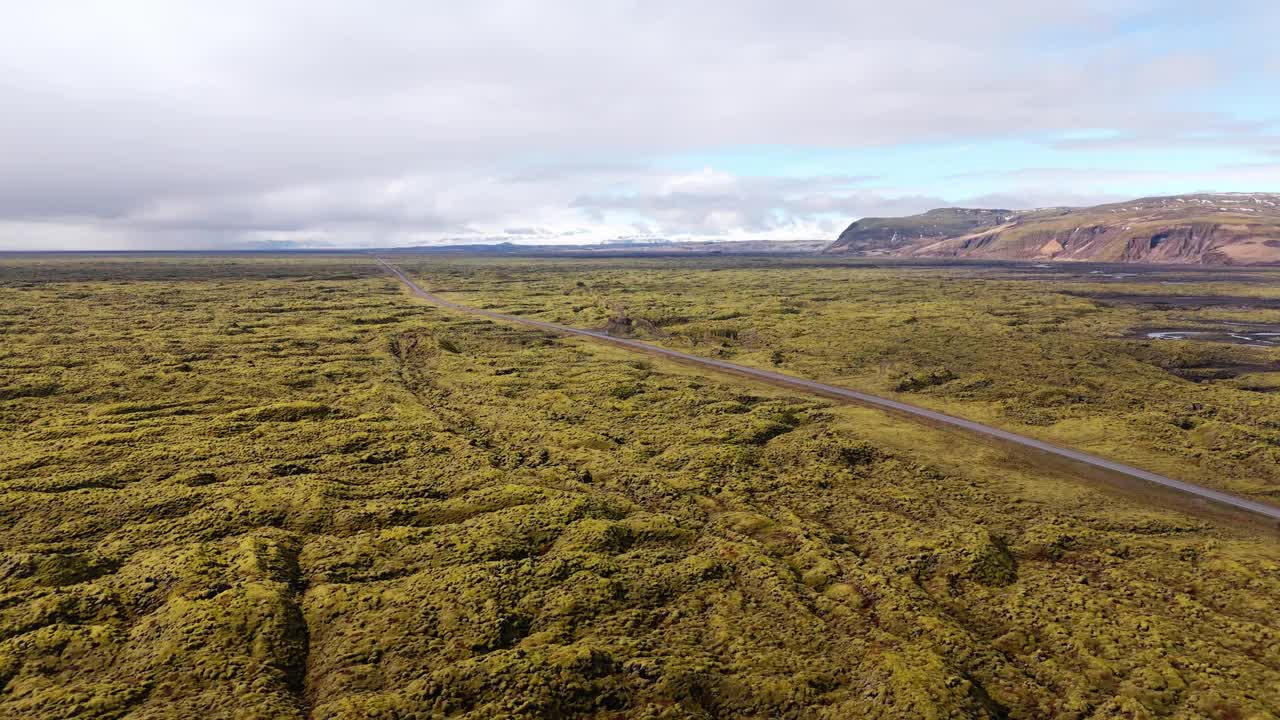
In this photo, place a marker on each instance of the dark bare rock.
(873, 236)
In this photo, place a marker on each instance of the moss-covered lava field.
(269, 486)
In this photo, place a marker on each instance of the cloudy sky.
(184, 124)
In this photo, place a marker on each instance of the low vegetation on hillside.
(260, 487)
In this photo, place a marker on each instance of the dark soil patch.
(1182, 301)
(1225, 372)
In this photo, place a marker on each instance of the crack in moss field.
(267, 487)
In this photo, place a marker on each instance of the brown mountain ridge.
(1208, 229)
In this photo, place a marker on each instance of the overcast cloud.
(235, 124)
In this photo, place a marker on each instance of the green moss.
(285, 412)
(328, 514)
(35, 389)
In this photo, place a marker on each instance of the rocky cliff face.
(883, 235)
(1197, 229)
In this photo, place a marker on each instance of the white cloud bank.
(234, 123)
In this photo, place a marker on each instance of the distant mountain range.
(660, 247)
(1210, 229)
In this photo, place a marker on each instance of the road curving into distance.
(1216, 499)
